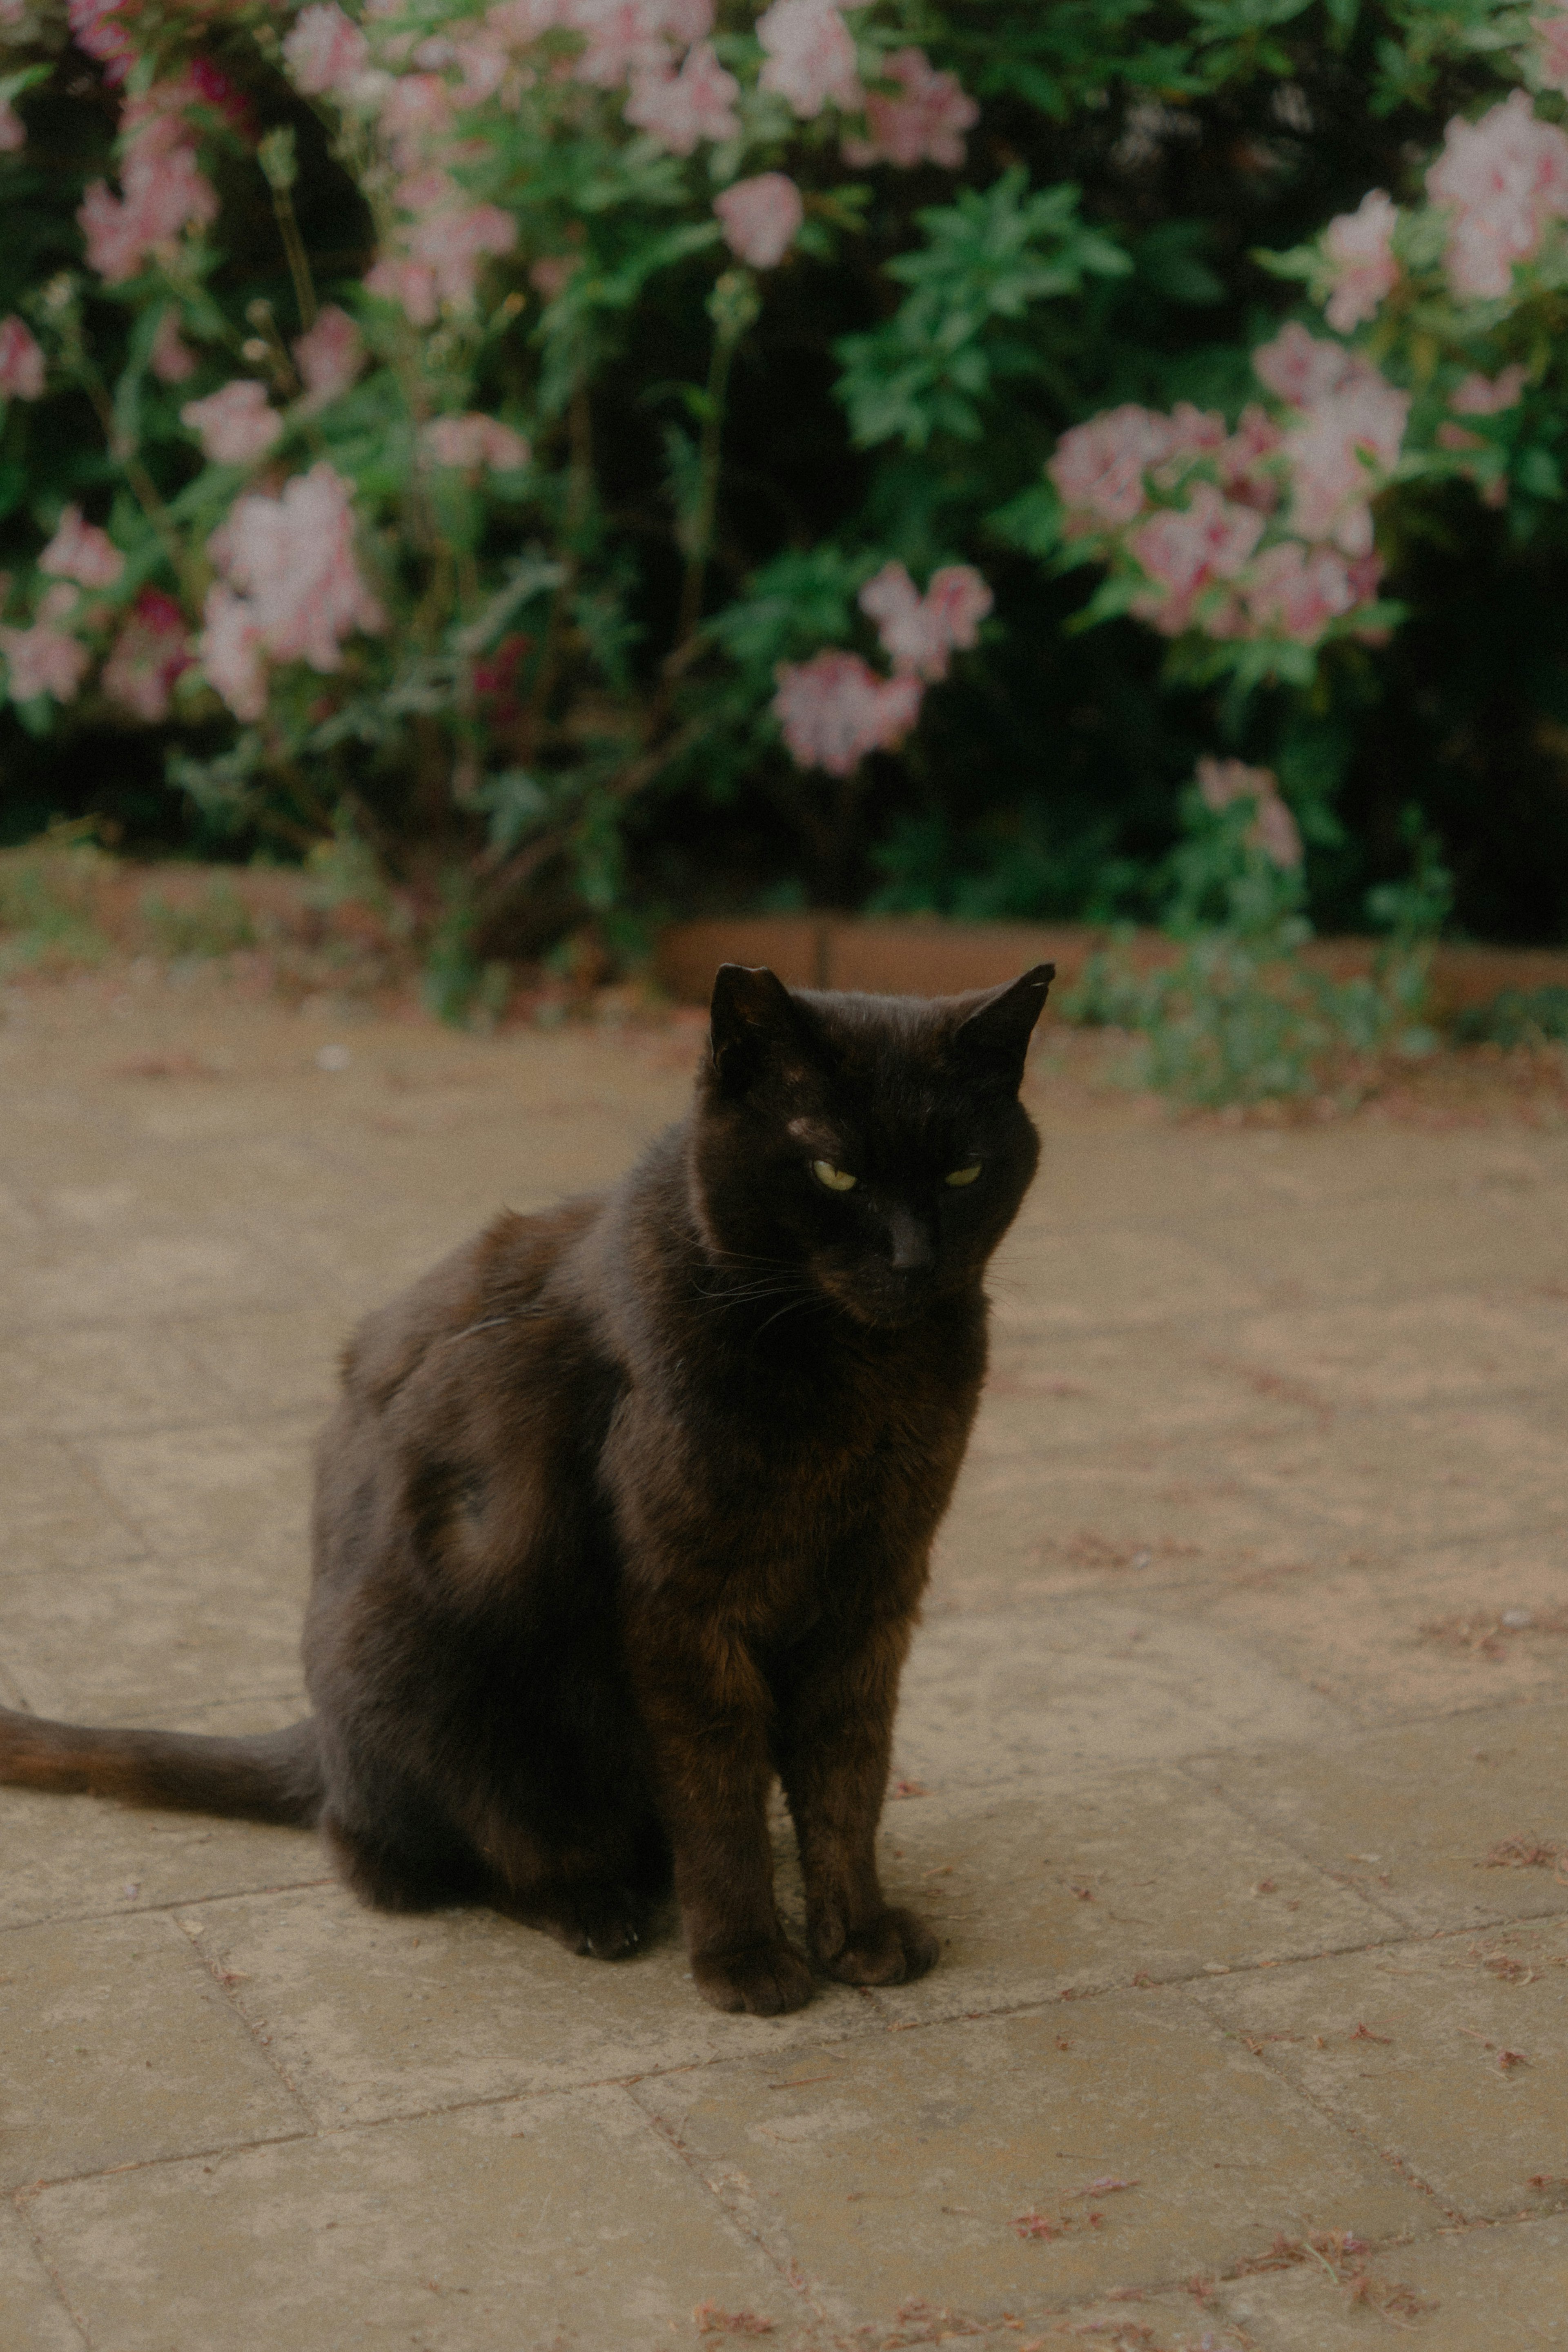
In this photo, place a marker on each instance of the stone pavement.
(1233, 1762)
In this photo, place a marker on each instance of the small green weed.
(1240, 1015)
(215, 924)
(1516, 1016)
(48, 901)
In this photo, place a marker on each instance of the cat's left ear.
(754, 1021)
(994, 1036)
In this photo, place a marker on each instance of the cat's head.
(875, 1146)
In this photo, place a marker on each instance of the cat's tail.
(274, 1777)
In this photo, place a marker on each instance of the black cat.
(626, 1508)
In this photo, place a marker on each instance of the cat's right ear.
(753, 1021)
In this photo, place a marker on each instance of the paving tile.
(1425, 2079)
(136, 1277)
(284, 1362)
(57, 1514)
(1477, 2288)
(1132, 1874)
(1436, 1630)
(1015, 1531)
(376, 2016)
(128, 1642)
(998, 1698)
(91, 1378)
(237, 1493)
(1048, 1281)
(1430, 1475)
(510, 2229)
(1479, 1233)
(35, 2317)
(898, 2168)
(117, 2046)
(70, 1857)
(1045, 1394)
(1410, 1815)
(1409, 1351)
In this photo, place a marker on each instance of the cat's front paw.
(894, 1947)
(766, 1978)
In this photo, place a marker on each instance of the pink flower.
(762, 218)
(170, 357)
(21, 362)
(451, 244)
(621, 37)
(1242, 460)
(1302, 367)
(1326, 453)
(483, 64)
(230, 651)
(1192, 432)
(1184, 549)
(1482, 395)
(1360, 247)
(811, 56)
(468, 443)
(409, 284)
(834, 709)
(1295, 592)
(149, 655)
(234, 425)
(1504, 177)
(416, 116)
(80, 552)
(918, 633)
(960, 600)
(1098, 468)
(1274, 830)
(553, 272)
(329, 356)
(165, 193)
(324, 52)
(292, 559)
(926, 125)
(520, 22)
(95, 34)
(1552, 59)
(43, 660)
(678, 108)
(13, 130)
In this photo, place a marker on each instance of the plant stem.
(579, 492)
(298, 259)
(709, 455)
(143, 487)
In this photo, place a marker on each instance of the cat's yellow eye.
(837, 1179)
(963, 1175)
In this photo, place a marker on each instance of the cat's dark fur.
(625, 1509)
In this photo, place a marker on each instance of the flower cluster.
(834, 709)
(1260, 533)
(761, 218)
(406, 91)
(1502, 180)
(290, 587)
(656, 59)
(164, 190)
(1273, 829)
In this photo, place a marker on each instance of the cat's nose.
(910, 1242)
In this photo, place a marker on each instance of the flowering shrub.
(1239, 1013)
(1255, 544)
(563, 444)
(374, 539)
